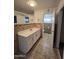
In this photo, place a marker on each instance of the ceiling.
(21, 5)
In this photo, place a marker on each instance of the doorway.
(59, 32)
(48, 22)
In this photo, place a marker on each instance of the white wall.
(21, 16)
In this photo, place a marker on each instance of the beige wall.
(60, 5)
(39, 14)
(36, 18)
(21, 16)
(59, 21)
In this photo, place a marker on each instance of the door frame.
(57, 28)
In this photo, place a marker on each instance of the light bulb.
(32, 3)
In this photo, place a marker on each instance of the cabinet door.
(30, 41)
(36, 36)
(23, 44)
(39, 33)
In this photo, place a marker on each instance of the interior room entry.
(47, 23)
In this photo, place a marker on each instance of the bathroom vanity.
(27, 38)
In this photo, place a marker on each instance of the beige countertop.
(27, 32)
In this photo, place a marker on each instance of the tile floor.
(44, 49)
